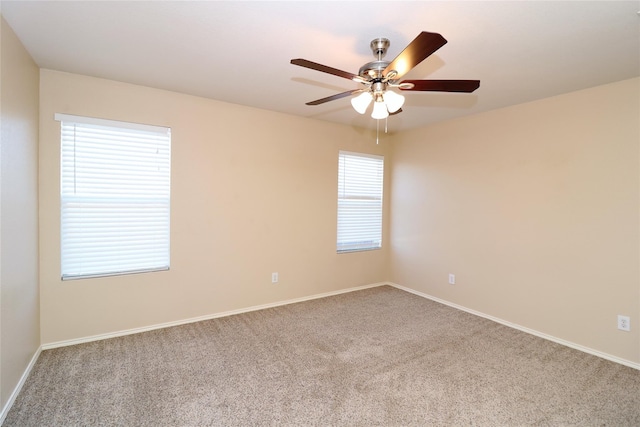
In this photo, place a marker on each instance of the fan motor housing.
(374, 69)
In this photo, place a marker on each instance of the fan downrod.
(373, 70)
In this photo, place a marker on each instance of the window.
(360, 179)
(114, 193)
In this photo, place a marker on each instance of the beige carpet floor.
(376, 357)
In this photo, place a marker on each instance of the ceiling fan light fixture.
(379, 111)
(361, 102)
(393, 100)
(380, 76)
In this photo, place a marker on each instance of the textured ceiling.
(240, 52)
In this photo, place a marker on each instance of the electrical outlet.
(452, 279)
(624, 323)
(274, 277)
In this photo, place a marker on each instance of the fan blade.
(324, 69)
(416, 52)
(467, 86)
(334, 97)
(396, 112)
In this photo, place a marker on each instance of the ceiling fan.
(379, 76)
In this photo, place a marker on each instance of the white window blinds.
(360, 182)
(115, 204)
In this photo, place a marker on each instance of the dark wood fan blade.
(467, 86)
(416, 52)
(323, 68)
(334, 97)
(397, 112)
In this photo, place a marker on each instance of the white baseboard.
(524, 329)
(99, 337)
(16, 390)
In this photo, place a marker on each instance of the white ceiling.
(240, 51)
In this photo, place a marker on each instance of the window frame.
(120, 173)
(359, 194)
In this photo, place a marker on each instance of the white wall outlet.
(274, 277)
(452, 279)
(624, 323)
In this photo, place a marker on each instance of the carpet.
(375, 357)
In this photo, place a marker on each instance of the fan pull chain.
(377, 132)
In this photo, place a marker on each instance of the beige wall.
(534, 208)
(253, 192)
(19, 318)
